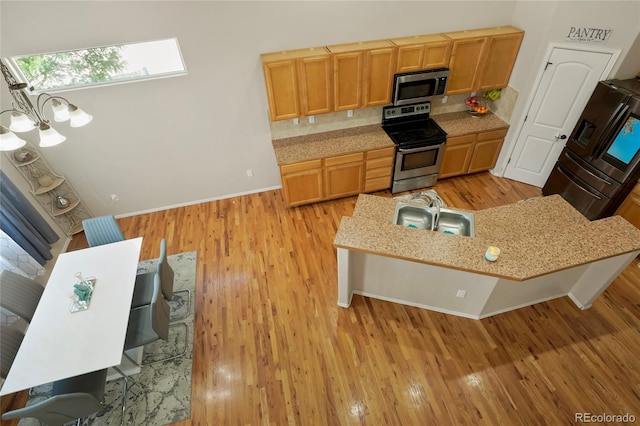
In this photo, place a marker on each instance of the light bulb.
(60, 111)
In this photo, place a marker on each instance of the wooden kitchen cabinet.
(363, 74)
(298, 82)
(471, 153)
(379, 169)
(422, 52)
(630, 207)
(343, 175)
(302, 182)
(482, 59)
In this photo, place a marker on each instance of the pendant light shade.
(60, 111)
(78, 117)
(9, 141)
(21, 122)
(49, 136)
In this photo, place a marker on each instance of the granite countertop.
(536, 237)
(365, 138)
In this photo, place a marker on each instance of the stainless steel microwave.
(419, 86)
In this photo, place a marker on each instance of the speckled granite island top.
(364, 138)
(536, 237)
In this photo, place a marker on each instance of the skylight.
(73, 69)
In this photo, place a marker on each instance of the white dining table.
(59, 343)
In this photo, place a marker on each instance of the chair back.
(58, 409)
(20, 295)
(102, 230)
(159, 310)
(166, 273)
(10, 340)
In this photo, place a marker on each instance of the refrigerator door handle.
(578, 185)
(619, 113)
(599, 179)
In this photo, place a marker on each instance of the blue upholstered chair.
(71, 399)
(19, 295)
(102, 230)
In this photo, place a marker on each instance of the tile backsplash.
(503, 108)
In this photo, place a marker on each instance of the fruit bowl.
(479, 111)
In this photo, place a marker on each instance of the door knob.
(559, 136)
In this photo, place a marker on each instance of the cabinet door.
(347, 80)
(501, 53)
(343, 175)
(302, 182)
(630, 207)
(410, 58)
(464, 64)
(486, 150)
(316, 85)
(380, 65)
(282, 89)
(437, 55)
(457, 156)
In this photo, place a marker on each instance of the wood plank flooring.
(272, 347)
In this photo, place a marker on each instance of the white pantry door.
(569, 78)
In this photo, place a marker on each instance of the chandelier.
(25, 116)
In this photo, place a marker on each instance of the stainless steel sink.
(450, 221)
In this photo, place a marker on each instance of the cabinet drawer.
(384, 152)
(344, 159)
(379, 172)
(385, 162)
(495, 134)
(298, 167)
(377, 184)
(461, 140)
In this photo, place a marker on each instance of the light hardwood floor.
(272, 347)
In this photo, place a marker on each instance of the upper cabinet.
(422, 52)
(363, 73)
(299, 82)
(358, 75)
(482, 59)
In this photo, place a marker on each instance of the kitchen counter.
(546, 246)
(365, 138)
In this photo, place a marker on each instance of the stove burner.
(412, 126)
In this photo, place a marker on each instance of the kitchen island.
(548, 250)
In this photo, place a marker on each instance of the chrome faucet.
(436, 216)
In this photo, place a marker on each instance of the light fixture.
(26, 117)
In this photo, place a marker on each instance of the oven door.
(418, 161)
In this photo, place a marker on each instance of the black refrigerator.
(600, 163)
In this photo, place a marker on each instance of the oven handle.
(422, 148)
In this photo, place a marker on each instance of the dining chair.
(143, 289)
(10, 340)
(20, 294)
(102, 230)
(149, 323)
(70, 400)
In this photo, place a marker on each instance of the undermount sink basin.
(451, 221)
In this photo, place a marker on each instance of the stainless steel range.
(419, 145)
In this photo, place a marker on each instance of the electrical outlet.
(445, 99)
(296, 121)
(349, 113)
(114, 197)
(312, 119)
(461, 293)
(249, 173)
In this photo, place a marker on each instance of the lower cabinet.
(630, 207)
(471, 153)
(339, 176)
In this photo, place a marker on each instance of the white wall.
(180, 140)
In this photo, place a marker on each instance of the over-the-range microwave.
(419, 86)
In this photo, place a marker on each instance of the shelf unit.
(51, 190)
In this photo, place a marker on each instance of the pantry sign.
(595, 35)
